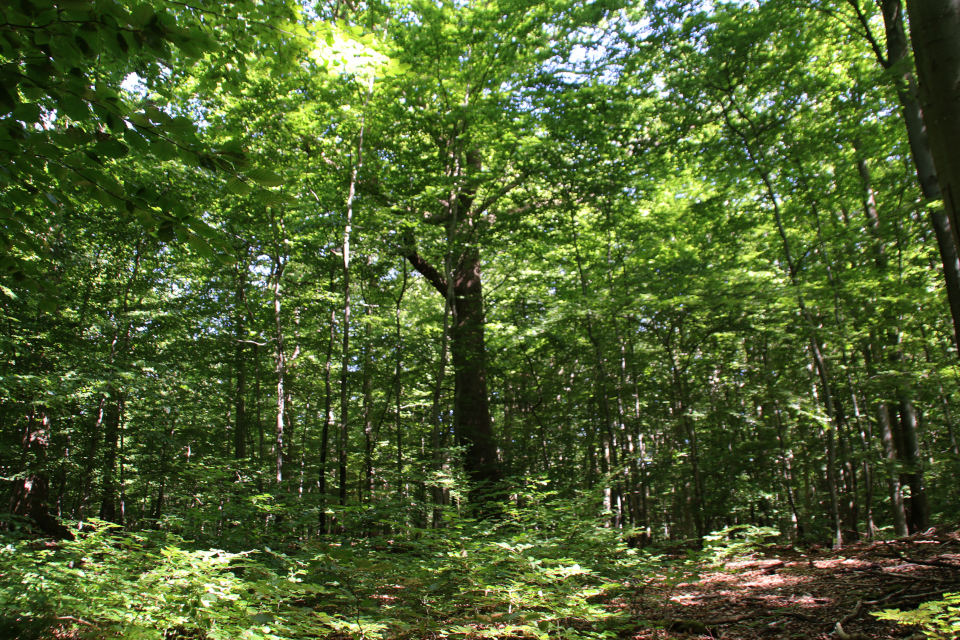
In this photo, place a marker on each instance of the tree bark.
(240, 428)
(327, 422)
(31, 493)
(922, 155)
(111, 435)
(935, 34)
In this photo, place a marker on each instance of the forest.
(407, 319)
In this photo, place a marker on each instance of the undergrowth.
(540, 572)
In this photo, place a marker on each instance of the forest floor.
(786, 593)
(479, 583)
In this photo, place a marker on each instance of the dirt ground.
(786, 593)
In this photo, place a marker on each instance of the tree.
(935, 35)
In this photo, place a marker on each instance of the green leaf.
(27, 112)
(237, 186)
(200, 246)
(135, 140)
(73, 107)
(112, 148)
(265, 177)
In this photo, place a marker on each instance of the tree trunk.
(240, 428)
(893, 471)
(281, 371)
(111, 435)
(31, 493)
(327, 421)
(468, 350)
(367, 486)
(935, 34)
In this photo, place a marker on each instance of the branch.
(929, 563)
(493, 198)
(427, 271)
(77, 620)
(868, 33)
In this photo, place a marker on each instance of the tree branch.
(428, 271)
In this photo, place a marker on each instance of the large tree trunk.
(920, 150)
(935, 33)
(475, 428)
(31, 492)
(468, 349)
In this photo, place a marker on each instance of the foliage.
(738, 540)
(695, 289)
(938, 619)
(537, 573)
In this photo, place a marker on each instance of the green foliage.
(145, 585)
(736, 541)
(537, 573)
(939, 619)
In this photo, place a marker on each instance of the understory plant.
(939, 620)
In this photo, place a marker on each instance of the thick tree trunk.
(475, 427)
(922, 156)
(111, 435)
(893, 472)
(468, 350)
(31, 492)
(935, 34)
(919, 509)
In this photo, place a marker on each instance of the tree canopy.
(452, 278)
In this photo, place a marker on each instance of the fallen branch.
(843, 635)
(929, 563)
(77, 620)
(853, 614)
(928, 594)
(731, 619)
(887, 597)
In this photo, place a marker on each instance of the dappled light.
(463, 319)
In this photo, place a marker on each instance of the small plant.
(738, 540)
(939, 620)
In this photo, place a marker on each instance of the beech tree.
(935, 35)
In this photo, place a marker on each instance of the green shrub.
(939, 619)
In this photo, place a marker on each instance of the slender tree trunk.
(281, 370)
(91, 457)
(399, 382)
(327, 422)
(345, 353)
(690, 433)
(815, 349)
(111, 434)
(240, 421)
(904, 392)
(368, 413)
